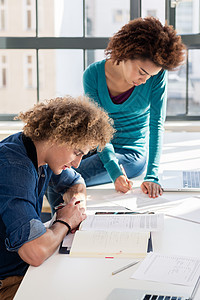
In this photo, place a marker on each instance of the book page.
(110, 244)
(125, 223)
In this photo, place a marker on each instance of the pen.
(125, 267)
(124, 173)
(79, 201)
(120, 213)
(61, 205)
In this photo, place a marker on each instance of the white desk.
(62, 277)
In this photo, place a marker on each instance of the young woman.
(131, 85)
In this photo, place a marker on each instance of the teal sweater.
(141, 116)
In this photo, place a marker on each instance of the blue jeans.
(93, 172)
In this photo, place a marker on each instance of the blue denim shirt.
(22, 187)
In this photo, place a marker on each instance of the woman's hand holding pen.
(123, 184)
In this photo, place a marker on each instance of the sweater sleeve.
(107, 155)
(156, 125)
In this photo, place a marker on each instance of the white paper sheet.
(146, 222)
(169, 269)
(136, 200)
(68, 239)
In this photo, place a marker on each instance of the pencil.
(125, 267)
(124, 173)
(176, 217)
(63, 204)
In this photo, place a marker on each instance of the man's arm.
(38, 250)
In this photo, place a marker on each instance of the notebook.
(172, 181)
(110, 236)
(131, 294)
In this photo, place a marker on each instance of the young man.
(55, 137)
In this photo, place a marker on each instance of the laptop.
(131, 294)
(173, 181)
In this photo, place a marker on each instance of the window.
(2, 15)
(3, 71)
(53, 41)
(183, 91)
(104, 17)
(29, 15)
(188, 16)
(154, 8)
(30, 72)
(18, 90)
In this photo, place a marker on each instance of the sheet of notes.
(169, 269)
(146, 222)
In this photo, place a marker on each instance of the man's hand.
(39, 249)
(123, 184)
(72, 213)
(152, 189)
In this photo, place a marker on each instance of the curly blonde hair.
(79, 122)
(147, 38)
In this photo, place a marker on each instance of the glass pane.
(17, 20)
(187, 16)
(176, 92)
(154, 8)
(105, 17)
(60, 18)
(194, 82)
(60, 73)
(93, 56)
(17, 80)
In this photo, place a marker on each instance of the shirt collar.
(30, 149)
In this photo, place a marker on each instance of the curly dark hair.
(79, 122)
(147, 38)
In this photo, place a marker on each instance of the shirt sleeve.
(62, 182)
(156, 125)
(18, 206)
(107, 155)
(110, 161)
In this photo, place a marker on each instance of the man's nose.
(76, 162)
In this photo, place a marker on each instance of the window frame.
(91, 43)
(192, 41)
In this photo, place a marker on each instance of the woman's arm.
(156, 129)
(107, 155)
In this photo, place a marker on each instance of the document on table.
(189, 210)
(169, 269)
(136, 200)
(144, 222)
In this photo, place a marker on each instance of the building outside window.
(30, 72)
(46, 58)
(3, 71)
(29, 15)
(2, 15)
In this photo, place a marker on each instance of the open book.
(115, 235)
